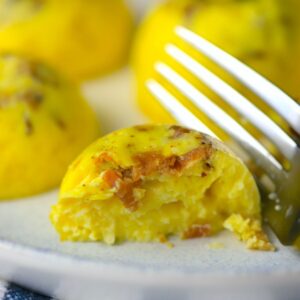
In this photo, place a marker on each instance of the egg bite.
(80, 38)
(44, 124)
(260, 40)
(146, 183)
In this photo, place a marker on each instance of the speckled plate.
(31, 253)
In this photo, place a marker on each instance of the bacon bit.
(170, 163)
(110, 177)
(128, 173)
(126, 180)
(102, 158)
(197, 230)
(125, 194)
(200, 153)
(149, 162)
(178, 131)
(124, 188)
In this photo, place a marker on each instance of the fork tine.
(286, 145)
(277, 99)
(176, 109)
(223, 120)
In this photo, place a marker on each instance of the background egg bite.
(80, 38)
(44, 124)
(266, 39)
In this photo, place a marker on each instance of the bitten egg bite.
(145, 183)
(44, 124)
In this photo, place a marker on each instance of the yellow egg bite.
(44, 124)
(148, 182)
(80, 38)
(253, 31)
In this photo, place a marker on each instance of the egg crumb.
(249, 231)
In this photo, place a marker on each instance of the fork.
(282, 204)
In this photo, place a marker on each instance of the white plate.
(31, 253)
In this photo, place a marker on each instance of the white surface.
(140, 7)
(31, 253)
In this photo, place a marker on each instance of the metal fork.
(282, 204)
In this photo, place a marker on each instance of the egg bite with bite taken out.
(148, 182)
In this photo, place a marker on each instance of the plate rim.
(49, 260)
